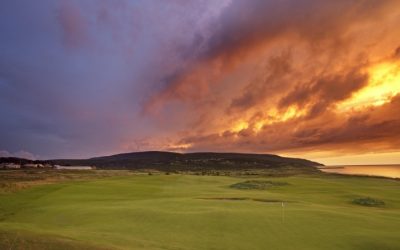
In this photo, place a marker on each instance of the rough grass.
(23, 240)
(16, 180)
(161, 211)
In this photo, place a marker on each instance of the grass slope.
(202, 212)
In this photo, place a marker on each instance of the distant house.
(10, 166)
(73, 167)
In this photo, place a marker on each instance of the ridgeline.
(167, 161)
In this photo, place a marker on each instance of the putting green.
(202, 212)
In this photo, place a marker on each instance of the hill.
(17, 160)
(189, 161)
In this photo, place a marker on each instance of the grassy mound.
(257, 184)
(368, 202)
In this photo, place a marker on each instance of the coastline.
(388, 171)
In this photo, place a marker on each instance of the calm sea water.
(392, 171)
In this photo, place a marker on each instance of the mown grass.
(202, 212)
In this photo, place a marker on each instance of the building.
(10, 166)
(58, 167)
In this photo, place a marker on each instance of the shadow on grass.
(243, 199)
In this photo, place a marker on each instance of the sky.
(301, 78)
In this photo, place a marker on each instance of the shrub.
(368, 202)
(256, 184)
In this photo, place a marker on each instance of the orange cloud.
(290, 76)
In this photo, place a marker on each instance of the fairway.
(202, 212)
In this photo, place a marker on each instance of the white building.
(73, 167)
(10, 166)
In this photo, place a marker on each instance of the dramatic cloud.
(289, 76)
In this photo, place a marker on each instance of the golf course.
(133, 210)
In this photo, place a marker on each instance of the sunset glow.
(383, 85)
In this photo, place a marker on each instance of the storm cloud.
(79, 79)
